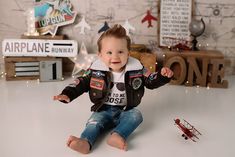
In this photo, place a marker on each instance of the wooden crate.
(140, 52)
(147, 59)
(66, 62)
(11, 65)
(10, 62)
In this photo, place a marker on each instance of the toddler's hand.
(167, 72)
(61, 98)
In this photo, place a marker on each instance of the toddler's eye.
(120, 51)
(109, 52)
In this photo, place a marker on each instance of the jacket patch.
(98, 73)
(146, 72)
(153, 76)
(135, 74)
(87, 72)
(97, 83)
(136, 83)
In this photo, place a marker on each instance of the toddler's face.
(114, 53)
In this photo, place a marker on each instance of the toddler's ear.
(99, 54)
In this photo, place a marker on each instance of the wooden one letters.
(202, 71)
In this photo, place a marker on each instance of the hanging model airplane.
(83, 24)
(104, 28)
(128, 27)
(188, 130)
(149, 18)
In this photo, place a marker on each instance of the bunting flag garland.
(83, 24)
(104, 28)
(128, 27)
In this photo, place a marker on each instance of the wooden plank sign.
(38, 47)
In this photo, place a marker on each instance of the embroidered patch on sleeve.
(135, 74)
(136, 83)
(146, 72)
(97, 83)
(153, 76)
(87, 72)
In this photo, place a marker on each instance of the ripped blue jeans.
(122, 122)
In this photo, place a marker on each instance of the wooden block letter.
(218, 74)
(179, 61)
(193, 68)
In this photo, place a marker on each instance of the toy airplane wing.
(196, 132)
(188, 125)
(192, 128)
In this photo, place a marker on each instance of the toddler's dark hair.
(116, 31)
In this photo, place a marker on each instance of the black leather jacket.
(97, 81)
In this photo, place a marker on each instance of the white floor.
(33, 125)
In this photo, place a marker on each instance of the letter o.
(183, 69)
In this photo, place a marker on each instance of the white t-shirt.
(117, 94)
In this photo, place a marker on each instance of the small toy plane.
(189, 131)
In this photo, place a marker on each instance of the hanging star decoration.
(82, 61)
(82, 25)
(128, 27)
(149, 17)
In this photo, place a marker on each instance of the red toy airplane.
(188, 130)
(149, 18)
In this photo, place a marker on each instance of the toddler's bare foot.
(115, 140)
(78, 144)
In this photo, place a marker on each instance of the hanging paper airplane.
(149, 18)
(83, 24)
(128, 27)
(104, 28)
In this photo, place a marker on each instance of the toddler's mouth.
(115, 62)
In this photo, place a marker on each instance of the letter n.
(194, 69)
